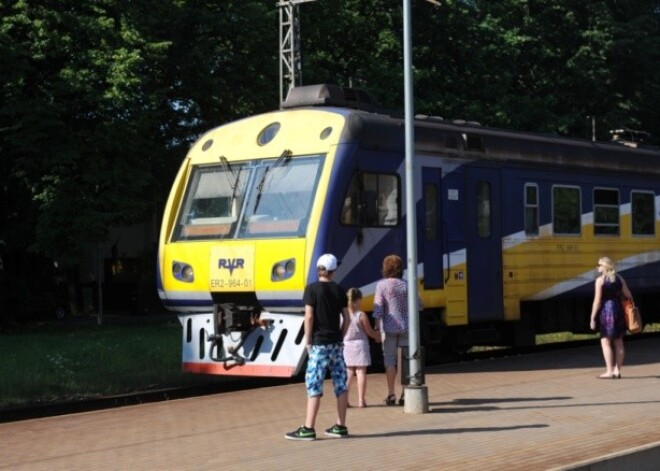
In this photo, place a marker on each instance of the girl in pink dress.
(357, 355)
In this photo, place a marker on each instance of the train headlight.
(283, 270)
(183, 272)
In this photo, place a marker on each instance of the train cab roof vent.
(328, 95)
(462, 122)
(631, 137)
(432, 119)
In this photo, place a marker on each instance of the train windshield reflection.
(249, 200)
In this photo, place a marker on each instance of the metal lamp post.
(416, 393)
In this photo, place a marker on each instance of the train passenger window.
(606, 211)
(531, 209)
(642, 212)
(483, 209)
(372, 200)
(566, 213)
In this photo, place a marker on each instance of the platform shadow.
(448, 407)
(447, 431)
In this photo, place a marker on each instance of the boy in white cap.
(325, 306)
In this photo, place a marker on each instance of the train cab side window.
(531, 209)
(566, 213)
(372, 200)
(606, 212)
(643, 213)
(483, 209)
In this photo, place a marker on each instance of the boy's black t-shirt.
(328, 299)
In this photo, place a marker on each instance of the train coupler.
(217, 342)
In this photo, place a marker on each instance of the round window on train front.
(326, 132)
(207, 145)
(268, 133)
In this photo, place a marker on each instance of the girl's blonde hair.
(610, 268)
(353, 294)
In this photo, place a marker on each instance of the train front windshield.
(251, 199)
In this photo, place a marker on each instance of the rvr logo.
(231, 264)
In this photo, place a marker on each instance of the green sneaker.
(303, 433)
(338, 431)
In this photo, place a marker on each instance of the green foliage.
(543, 66)
(99, 102)
(87, 361)
(72, 137)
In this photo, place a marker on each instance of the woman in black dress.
(608, 291)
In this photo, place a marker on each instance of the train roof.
(378, 128)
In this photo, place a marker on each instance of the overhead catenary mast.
(290, 51)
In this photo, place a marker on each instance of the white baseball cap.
(327, 261)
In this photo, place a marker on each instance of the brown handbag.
(632, 316)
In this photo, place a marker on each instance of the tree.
(99, 102)
(542, 65)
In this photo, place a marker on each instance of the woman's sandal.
(390, 400)
(401, 401)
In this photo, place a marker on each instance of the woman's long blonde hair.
(610, 268)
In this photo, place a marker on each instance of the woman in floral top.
(391, 314)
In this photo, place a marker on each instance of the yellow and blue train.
(510, 226)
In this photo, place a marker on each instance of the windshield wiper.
(226, 166)
(283, 159)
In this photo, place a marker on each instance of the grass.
(51, 362)
(559, 337)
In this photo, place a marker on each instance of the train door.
(484, 245)
(432, 248)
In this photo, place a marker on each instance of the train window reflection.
(606, 212)
(281, 199)
(212, 202)
(483, 209)
(643, 212)
(566, 212)
(531, 209)
(372, 200)
(249, 199)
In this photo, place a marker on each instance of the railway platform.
(545, 411)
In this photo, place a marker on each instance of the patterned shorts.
(322, 358)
